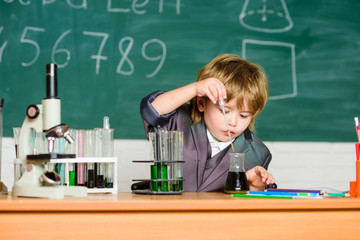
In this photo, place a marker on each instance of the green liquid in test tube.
(71, 149)
(71, 174)
(164, 156)
(154, 186)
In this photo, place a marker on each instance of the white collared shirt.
(216, 145)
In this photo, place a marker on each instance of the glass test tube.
(89, 152)
(71, 149)
(164, 156)
(16, 131)
(60, 167)
(100, 171)
(180, 157)
(153, 156)
(108, 151)
(81, 166)
(40, 144)
(18, 171)
(174, 140)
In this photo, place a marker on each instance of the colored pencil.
(261, 196)
(295, 190)
(291, 194)
(337, 194)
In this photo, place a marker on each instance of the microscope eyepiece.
(51, 80)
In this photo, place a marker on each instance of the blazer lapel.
(240, 146)
(202, 147)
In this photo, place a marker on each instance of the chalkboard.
(111, 53)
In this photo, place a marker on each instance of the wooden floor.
(185, 216)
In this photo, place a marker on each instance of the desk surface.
(185, 216)
(185, 201)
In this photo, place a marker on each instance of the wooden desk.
(187, 216)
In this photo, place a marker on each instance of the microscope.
(44, 118)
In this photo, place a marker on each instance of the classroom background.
(110, 54)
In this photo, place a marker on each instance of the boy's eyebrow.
(250, 113)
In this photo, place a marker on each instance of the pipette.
(222, 105)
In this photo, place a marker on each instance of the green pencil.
(261, 196)
(337, 194)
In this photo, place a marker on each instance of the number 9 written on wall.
(62, 56)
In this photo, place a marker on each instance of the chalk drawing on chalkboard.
(278, 59)
(270, 16)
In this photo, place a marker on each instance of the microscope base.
(29, 185)
(53, 192)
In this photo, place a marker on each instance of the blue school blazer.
(201, 172)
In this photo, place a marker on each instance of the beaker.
(236, 181)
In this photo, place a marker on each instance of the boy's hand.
(213, 88)
(258, 177)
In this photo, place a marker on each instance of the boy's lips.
(231, 132)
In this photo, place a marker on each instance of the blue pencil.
(278, 193)
(295, 190)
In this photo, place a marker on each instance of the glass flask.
(236, 181)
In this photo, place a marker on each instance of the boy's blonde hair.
(242, 80)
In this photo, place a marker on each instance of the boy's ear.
(200, 102)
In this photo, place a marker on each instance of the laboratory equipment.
(222, 105)
(80, 166)
(89, 152)
(108, 151)
(18, 169)
(236, 181)
(167, 159)
(60, 167)
(100, 166)
(46, 118)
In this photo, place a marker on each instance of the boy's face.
(238, 119)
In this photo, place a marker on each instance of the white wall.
(294, 164)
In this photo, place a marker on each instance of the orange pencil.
(357, 178)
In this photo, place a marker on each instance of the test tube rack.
(160, 183)
(108, 160)
(167, 163)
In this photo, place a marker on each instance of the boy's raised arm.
(169, 101)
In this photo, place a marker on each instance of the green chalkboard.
(112, 53)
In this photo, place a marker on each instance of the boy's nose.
(232, 119)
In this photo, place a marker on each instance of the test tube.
(153, 156)
(40, 145)
(174, 157)
(180, 158)
(164, 150)
(108, 151)
(71, 149)
(89, 152)
(100, 171)
(71, 174)
(60, 167)
(16, 131)
(18, 171)
(80, 166)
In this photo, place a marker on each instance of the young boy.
(244, 88)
